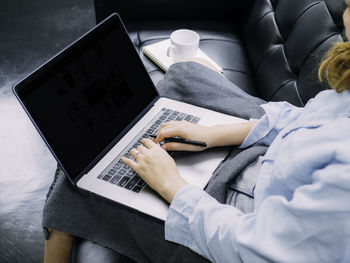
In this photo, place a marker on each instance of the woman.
(301, 195)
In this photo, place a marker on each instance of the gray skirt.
(139, 236)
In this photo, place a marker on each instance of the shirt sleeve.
(278, 115)
(311, 227)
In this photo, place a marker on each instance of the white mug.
(183, 45)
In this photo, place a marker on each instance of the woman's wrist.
(210, 136)
(213, 137)
(171, 187)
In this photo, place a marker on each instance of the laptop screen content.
(88, 95)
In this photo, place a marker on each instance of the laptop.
(94, 101)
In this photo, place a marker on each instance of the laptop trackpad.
(197, 167)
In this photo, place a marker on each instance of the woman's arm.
(231, 134)
(261, 132)
(218, 135)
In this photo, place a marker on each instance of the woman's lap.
(122, 229)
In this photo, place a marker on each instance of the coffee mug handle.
(171, 51)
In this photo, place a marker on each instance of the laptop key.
(154, 126)
(195, 119)
(188, 117)
(106, 177)
(150, 131)
(118, 165)
(125, 166)
(112, 172)
(123, 181)
(130, 172)
(115, 179)
(131, 183)
(137, 144)
(167, 112)
(182, 115)
(137, 189)
(122, 171)
(100, 176)
(141, 183)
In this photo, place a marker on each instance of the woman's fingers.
(133, 165)
(175, 146)
(134, 153)
(169, 130)
(148, 144)
(141, 148)
(166, 124)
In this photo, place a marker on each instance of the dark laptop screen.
(88, 94)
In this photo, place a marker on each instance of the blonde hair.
(335, 67)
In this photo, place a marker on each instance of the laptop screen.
(84, 97)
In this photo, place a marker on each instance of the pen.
(180, 140)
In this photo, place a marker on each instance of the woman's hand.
(214, 136)
(185, 130)
(157, 168)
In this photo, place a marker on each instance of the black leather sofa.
(268, 48)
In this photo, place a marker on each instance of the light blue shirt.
(302, 196)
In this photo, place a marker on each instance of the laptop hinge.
(116, 139)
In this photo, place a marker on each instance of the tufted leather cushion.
(285, 42)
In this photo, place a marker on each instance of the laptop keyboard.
(120, 174)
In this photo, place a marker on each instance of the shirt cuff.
(259, 131)
(265, 130)
(177, 228)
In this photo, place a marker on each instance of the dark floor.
(30, 33)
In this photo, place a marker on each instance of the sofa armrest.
(152, 10)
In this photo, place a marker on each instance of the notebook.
(157, 52)
(93, 102)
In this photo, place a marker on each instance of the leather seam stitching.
(280, 87)
(307, 9)
(263, 58)
(239, 71)
(138, 38)
(148, 40)
(223, 40)
(267, 13)
(283, 85)
(324, 40)
(201, 40)
(154, 70)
